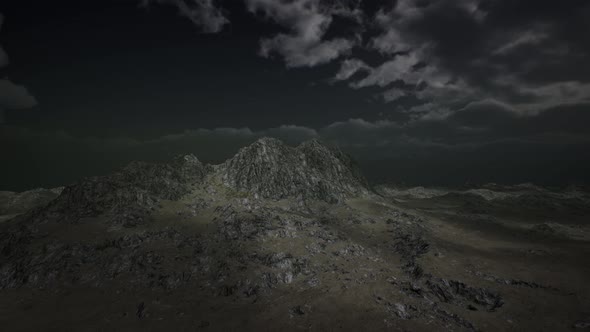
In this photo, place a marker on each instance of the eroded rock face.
(312, 170)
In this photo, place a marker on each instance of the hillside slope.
(281, 238)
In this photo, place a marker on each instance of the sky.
(420, 92)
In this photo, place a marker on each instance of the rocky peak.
(330, 160)
(274, 170)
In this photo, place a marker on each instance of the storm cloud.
(437, 56)
(424, 91)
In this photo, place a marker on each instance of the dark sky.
(424, 92)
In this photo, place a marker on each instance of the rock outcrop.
(311, 170)
(267, 168)
(137, 186)
(12, 203)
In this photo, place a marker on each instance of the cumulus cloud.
(203, 13)
(390, 42)
(414, 78)
(350, 67)
(308, 22)
(441, 55)
(400, 68)
(292, 134)
(393, 94)
(300, 52)
(14, 96)
(472, 77)
(484, 114)
(533, 99)
(3, 56)
(527, 38)
(448, 54)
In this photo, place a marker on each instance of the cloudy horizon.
(419, 92)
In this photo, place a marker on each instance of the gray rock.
(14, 203)
(128, 193)
(270, 169)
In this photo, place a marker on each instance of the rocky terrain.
(13, 204)
(290, 238)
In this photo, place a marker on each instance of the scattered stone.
(298, 310)
(514, 282)
(402, 311)
(140, 312)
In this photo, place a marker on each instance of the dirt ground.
(379, 263)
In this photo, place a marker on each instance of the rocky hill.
(268, 169)
(312, 170)
(128, 194)
(288, 238)
(12, 203)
